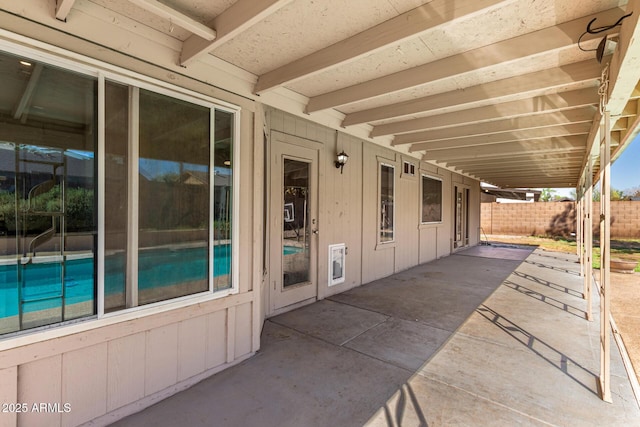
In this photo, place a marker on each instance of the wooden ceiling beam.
(517, 160)
(529, 164)
(237, 18)
(517, 166)
(496, 142)
(177, 18)
(63, 7)
(624, 74)
(624, 71)
(532, 183)
(507, 150)
(570, 121)
(557, 37)
(542, 104)
(395, 30)
(566, 173)
(577, 73)
(528, 156)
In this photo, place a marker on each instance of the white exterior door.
(293, 225)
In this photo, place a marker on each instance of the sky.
(625, 171)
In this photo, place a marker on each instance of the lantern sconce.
(342, 160)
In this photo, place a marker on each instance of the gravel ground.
(625, 306)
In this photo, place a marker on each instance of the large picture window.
(387, 209)
(47, 194)
(167, 195)
(431, 199)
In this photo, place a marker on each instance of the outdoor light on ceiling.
(342, 160)
(607, 44)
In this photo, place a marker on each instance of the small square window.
(409, 169)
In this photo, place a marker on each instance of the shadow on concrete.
(421, 347)
(395, 416)
(546, 299)
(548, 284)
(552, 267)
(538, 347)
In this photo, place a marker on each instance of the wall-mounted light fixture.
(342, 160)
(607, 45)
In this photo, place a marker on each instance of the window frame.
(379, 240)
(80, 64)
(213, 105)
(435, 178)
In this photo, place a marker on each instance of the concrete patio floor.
(490, 336)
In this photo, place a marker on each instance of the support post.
(588, 239)
(579, 225)
(605, 253)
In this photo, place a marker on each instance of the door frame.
(465, 238)
(295, 148)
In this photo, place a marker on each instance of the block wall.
(555, 218)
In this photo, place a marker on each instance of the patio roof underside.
(497, 90)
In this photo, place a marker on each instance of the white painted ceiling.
(498, 90)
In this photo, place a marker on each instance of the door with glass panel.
(294, 225)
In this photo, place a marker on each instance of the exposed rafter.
(505, 138)
(531, 183)
(556, 172)
(520, 162)
(499, 127)
(532, 123)
(177, 18)
(237, 18)
(543, 104)
(539, 81)
(542, 146)
(553, 38)
(408, 24)
(524, 164)
(626, 86)
(63, 7)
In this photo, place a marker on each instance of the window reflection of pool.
(178, 266)
(290, 250)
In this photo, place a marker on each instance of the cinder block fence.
(555, 218)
